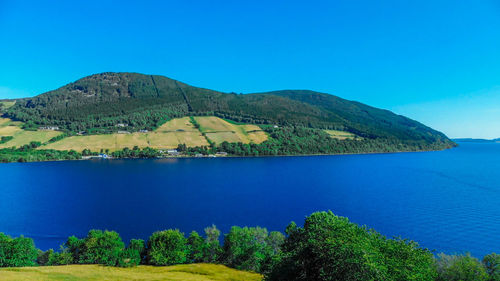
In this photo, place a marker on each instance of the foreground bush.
(167, 247)
(134, 254)
(206, 250)
(99, 247)
(250, 248)
(460, 268)
(18, 251)
(329, 247)
(492, 264)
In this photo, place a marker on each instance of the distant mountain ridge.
(98, 102)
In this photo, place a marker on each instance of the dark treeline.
(282, 141)
(5, 139)
(327, 247)
(301, 140)
(30, 153)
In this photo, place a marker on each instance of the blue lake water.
(448, 201)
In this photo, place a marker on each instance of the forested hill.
(98, 102)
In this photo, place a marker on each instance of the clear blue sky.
(434, 61)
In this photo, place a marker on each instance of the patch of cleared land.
(169, 135)
(7, 104)
(341, 135)
(22, 137)
(219, 130)
(193, 272)
(175, 132)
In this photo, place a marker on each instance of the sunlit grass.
(22, 137)
(7, 104)
(341, 135)
(219, 130)
(169, 135)
(189, 272)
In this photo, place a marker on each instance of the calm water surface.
(448, 200)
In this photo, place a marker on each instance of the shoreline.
(230, 156)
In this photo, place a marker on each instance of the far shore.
(87, 158)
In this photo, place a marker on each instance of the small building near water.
(172, 152)
(49, 128)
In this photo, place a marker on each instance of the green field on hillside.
(169, 135)
(341, 135)
(7, 104)
(20, 136)
(193, 272)
(219, 130)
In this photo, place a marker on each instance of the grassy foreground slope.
(193, 272)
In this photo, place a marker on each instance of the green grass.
(7, 104)
(219, 130)
(341, 135)
(20, 136)
(169, 135)
(188, 272)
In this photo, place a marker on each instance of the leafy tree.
(274, 243)
(460, 268)
(247, 248)
(167, 247)
(404, 259)
(329, 247)
(492, 264)
(61, 258)
(5, 139)
(19, 251)
(28, 153)
(43, 257)
(212, 250)
(74, 246)
(134, 254)
(196, 245)
(138, 246)
(100, 247)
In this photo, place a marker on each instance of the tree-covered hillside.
(107, 102)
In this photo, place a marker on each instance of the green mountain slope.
(98, 103)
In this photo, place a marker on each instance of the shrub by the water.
(18, 251)
(208, 249)
(250, 248)
(327, 247)
(134, 254)
(167, 247)
(492, 264)
(99, 247)
(460, 268)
